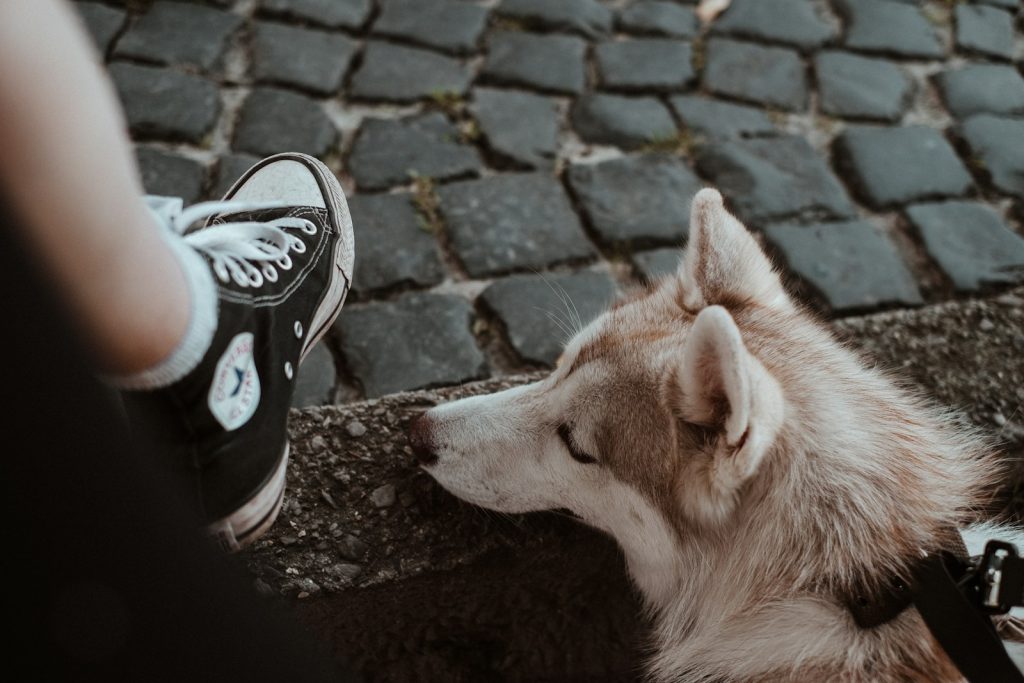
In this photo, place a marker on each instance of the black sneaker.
(280, 247)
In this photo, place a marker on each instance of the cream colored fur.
(752, 468)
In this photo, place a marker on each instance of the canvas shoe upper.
(281, 252)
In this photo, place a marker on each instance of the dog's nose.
(421, 440)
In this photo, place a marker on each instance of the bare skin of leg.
(69, 172)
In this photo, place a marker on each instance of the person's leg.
(207, 329)
(105, 577)
(68, 169)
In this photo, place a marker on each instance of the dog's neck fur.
(871, 478)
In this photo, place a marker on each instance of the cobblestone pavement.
(514, 164)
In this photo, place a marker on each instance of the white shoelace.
(235, 248)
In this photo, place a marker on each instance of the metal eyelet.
(309, 228)
(288, 370)
(299, 247)
(298, 329)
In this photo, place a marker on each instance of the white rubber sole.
(344, 258)
(249, 522)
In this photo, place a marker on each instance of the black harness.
(956, 596)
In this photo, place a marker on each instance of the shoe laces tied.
(248, 252)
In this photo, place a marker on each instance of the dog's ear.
(722, 387)
(723, 263)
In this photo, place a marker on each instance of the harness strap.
(951, 611)
(956, 596)
(874, 607)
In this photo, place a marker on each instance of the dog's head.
(659, 405)
(711, 415)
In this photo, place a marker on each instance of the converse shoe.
(280, 250)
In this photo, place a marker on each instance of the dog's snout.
(422, 440)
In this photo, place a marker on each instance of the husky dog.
(755, 471)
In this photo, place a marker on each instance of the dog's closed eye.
(577, 453)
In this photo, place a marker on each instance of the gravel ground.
(412, 584)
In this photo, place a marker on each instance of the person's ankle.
(176, 329)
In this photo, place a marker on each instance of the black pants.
(106, 575)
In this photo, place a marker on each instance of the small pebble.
(344, 571)
(328, 498)
(289, 540)
(999, 419)
(318, 443)
(986, 325)
(383, 496)
(355, 429)
(351, 548)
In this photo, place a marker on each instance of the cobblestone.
(996, 145)
(657, 263)
(511, 221)
(770, 76)
(970, 243)
(305, 58)
(889, 27)
(790, 22)
(645, 64)
(985, 30)
(540, 312)
(315, 379)
(549, 63)
(982, 88)
(851, 264)
(330, 13)
(170, 175)
(394, 246)
(518, 126)
(858, 87)
(636, 199)
(658, 18)
(777, 178)
(559, 136)
(274, 121)
(179, 33)
(392, 152)
(717, 119)
(900, 165)
(586, 17)
(443, 24)
(159, 102)
(229, 169)
(395, 73)
(102, 22)
(417, 341)
(628, 122)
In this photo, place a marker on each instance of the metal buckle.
(990, 575)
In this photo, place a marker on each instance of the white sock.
(201, 325)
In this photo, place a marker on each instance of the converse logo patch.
(235, 393)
